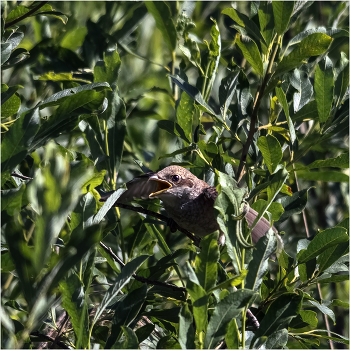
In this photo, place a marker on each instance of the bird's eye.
(175, 178)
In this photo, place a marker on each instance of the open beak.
(161, 186)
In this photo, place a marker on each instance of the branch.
(254, 117)
(173, 225)
(36, 8)
(139, 278)
(49, 339)
(22, 177)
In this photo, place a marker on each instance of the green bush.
(252, 99)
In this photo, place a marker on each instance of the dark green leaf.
(227, 309)
(324, 240)
(277, 340)
(300, 81)
(16, 142)
(130, 341)
(259, 263)
(226, 91)
(184, 114)
(120, 282)
(206, 261)
(282, 12)
(271, 151)
(313, 45)
(244, 21)
(186, 330)
(125, 312)
(164, 22)
(251, 53)
(279, 314)
(324, 88)
(294, 204)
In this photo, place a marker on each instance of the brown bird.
(188, 200)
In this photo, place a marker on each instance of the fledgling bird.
(187, 200)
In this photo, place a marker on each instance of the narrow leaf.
(323, 241)
(324, 88)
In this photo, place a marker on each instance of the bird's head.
(174, 181)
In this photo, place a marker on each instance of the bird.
(187, 200)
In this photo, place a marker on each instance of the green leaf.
(128, 270)
(277, 340)
(11, 200)
(59, 97)
(10, 101)
(226, 91)
(74, 38)
(61, 77)
(340, 303)
(16, 142)
(130, 341)
(279, 314)
(186, 329)
(164, 22)
(191, 51)
(283, 101)
(324, 309)
(294, 204)
(108, 69)
(232, 336)
(330, 256)
(53, 194)
(227, 309)
(196, 95)
(301, 82)
(341, 161)
(73, 301)
(309, 111)
(20, 11)
(125, 312)
(266, 21)
(271, 151)
(282, 12)
(324, 240)
(313, 45)
(116, 124)
(244, 22)
(144, 332)
(334, 279)
(227, 204)
(326, 176)
(184, 114)
(324, 88)
(274, 187)
(206, 261)
(231, 282)
(275, 209)
(199, 300)
(342, 79)
(259, 263)
(251, 53)
(173, 128)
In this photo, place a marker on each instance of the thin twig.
(139, 278)
(256, 106)
(22, 177)
(168, 221)
(29, 13)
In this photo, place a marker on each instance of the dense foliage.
(252, 97)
